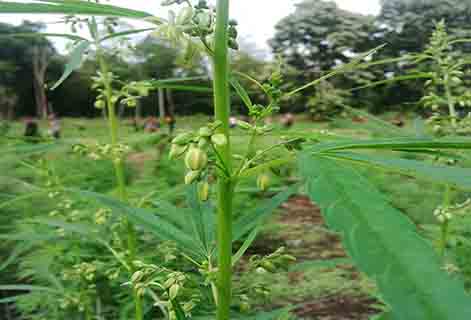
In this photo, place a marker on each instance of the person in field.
(152, 124)
(31, 132)
(287, 120)
(54, 126)
(171, 122)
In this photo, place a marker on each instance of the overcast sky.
(256, 18)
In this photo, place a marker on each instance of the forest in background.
(314, 39)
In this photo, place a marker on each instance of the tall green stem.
(451, 104)
(445, 226)
(120, 172)
(225, 185)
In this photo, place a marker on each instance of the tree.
(406, 25)
(41, 54)
(27, 59)
(319, 35)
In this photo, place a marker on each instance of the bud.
(183, 138)
(99, 104)
(205, 132)
(176, 151)
(173, 291)
(196, 159)
(263, 182)
(191, 177)
(185, 15)
(269, 266)
(243, 125)
(219, 139)
(202, 143)
(203, 191)
(244, 307)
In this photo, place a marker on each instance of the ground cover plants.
(380, 239)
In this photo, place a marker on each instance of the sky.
(256, 18)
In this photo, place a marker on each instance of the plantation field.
(51, 239)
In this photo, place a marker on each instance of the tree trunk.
(161, 106)
(138, 111)
(40, 64)
(171, 103)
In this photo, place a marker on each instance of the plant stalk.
(120, 175)
(451, 104)
(225, 186)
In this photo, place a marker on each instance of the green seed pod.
(205, 132)
(203, 191)
(185, 16)
(202, 143)
(244, 307)
(196, 159)
(219, 139)
(183, 138)
(176, 151)
(100, 104)
(173, 291)
(269, 266)
(191, 177)
(263, 182)
(244, 125)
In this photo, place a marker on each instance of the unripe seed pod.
(191, 177)
(202, 143)
(173, 291)
(203, 191)
(244, 307)
(243, 125)
(205, 132)
(185, 15)
(183, 138)
(176, 151)
(263, 182)
(219, 139)
(196, 159)
(100, 104)
(269, 266)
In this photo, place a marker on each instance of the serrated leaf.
(125, 33)
(446, 175)
(384, 243)
(24, 287)
(245, 246)
(397, 144)
(252, 219)
(75, 61)
(241, 92)
(70, 7)
(395, 79)
(147, 220)
(37, 34)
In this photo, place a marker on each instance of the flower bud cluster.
(99, 151)
(196, 21)
(165, 284)
(128, 95)
(194, 146)
(102, 216)
(445, 214)
(84, 270)
(278, 260)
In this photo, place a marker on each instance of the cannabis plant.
(381, 240)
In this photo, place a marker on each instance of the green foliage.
(327, 101)
(374, 233)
